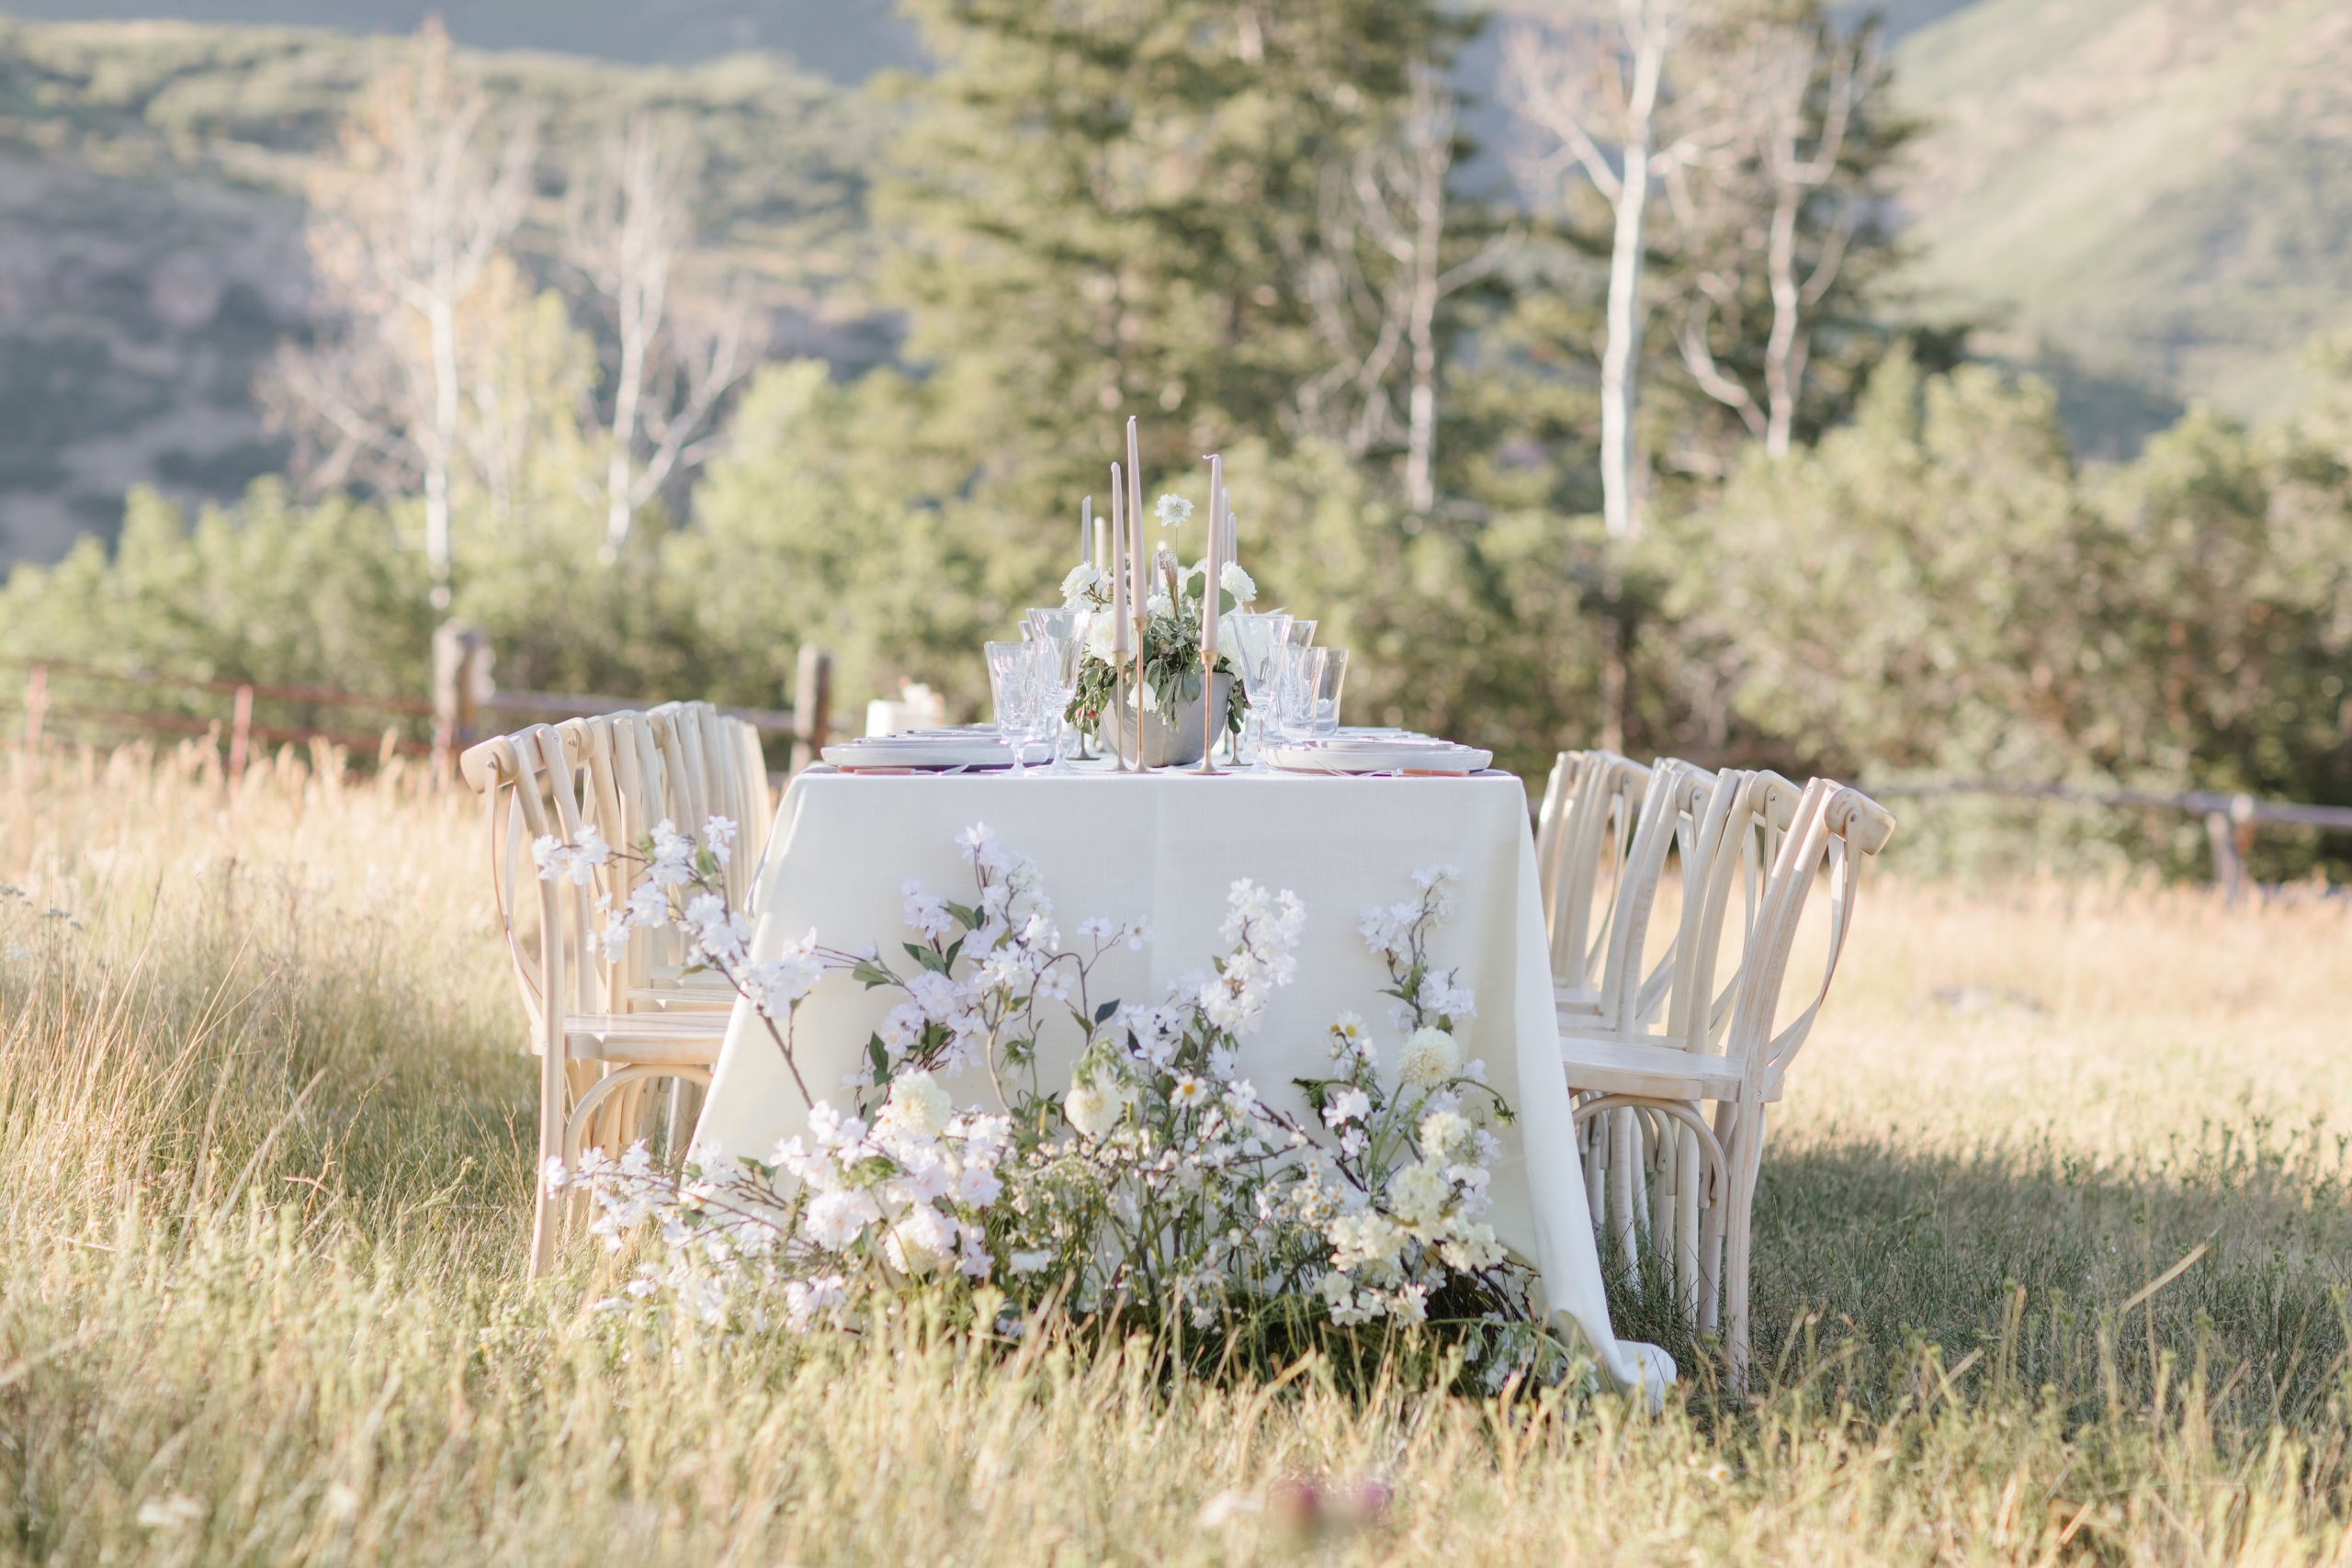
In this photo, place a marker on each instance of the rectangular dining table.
(1167, 846)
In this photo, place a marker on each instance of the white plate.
(928, 752)
(1441, 757)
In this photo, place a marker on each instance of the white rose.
(1159, 605)
(1429, 1058)
(1100, 634)
(1079, 588)
(1238, 582)
(918, 1105)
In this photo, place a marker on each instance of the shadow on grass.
(2039, 1260)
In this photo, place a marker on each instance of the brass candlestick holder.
(1209, 714)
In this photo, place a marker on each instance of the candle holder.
(1209, 713)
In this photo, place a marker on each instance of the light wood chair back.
(1585, 827)
(1633, 981)
(1738, 841)
(1832, 830)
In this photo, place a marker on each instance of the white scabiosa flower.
(1173, 509)
(1238, 583)
(1093, 1110)
(918, 1107)
(1429, 1058)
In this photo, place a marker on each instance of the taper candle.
(1086, 532)
(1118, 570)
(1209, 562)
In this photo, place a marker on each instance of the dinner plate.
(930, 753)
(1434, 757)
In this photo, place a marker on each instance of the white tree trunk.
(442, 322)
(1621, 355)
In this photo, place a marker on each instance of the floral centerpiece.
(1153, 1190)
(1173, 672)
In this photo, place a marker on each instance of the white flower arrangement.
(1087, 587)
(1155, 1187)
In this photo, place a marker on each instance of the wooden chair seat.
(1653, 1072)
(663, 1037)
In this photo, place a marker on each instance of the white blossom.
(1173, 511)
(1238, 582)
(1429, 1058)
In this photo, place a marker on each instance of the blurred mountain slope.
(2154, 198)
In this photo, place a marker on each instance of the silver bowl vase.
(1167, 745)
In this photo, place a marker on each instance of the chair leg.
(547, 1207)
(1740, 1232)
(1595, 1190)
(1690, 1176)
(1625, 1161)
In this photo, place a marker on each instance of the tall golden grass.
(264, 1159)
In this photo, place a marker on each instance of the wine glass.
(1059, 637)
(1012, 684)
(1302, 632)
(1327, 693)
(1256, 639)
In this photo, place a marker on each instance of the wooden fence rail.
(2230, 819)
(463, 698)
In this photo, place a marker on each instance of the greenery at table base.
(1154, 1190)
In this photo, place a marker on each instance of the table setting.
(1163, 760)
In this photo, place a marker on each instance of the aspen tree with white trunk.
(404, 227)
(675, 352)
(1378, 281)
(1793, 214)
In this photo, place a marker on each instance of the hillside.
(151, 245)
(2153, 196)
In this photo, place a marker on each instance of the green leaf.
(1102, 1014)
(881, 1057)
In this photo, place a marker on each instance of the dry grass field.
(264, 1145)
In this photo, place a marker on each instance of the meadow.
(2054, 1240)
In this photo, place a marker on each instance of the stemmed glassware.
(1013, 684)
(1256, 640)
(1060, 639)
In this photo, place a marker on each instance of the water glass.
(1012, 684)
(1301, 678)
(1302, 632)
(1327, 692)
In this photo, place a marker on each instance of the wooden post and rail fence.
(465, 704)
(463, 707)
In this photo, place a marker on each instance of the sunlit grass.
(264, 1183)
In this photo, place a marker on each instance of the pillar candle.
(1209, 562)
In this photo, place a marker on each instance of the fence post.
(2230, 834)
(36, 704)
(241, 733)
(458, 667)
(813, 705)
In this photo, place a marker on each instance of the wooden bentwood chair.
(1643, 1083)
(608, 1030)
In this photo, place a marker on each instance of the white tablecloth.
(1168, 846)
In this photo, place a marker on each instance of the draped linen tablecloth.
(1168, 847)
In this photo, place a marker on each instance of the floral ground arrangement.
(1156, 1190)
(269, 1144)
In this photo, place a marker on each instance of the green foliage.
(320, 594)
